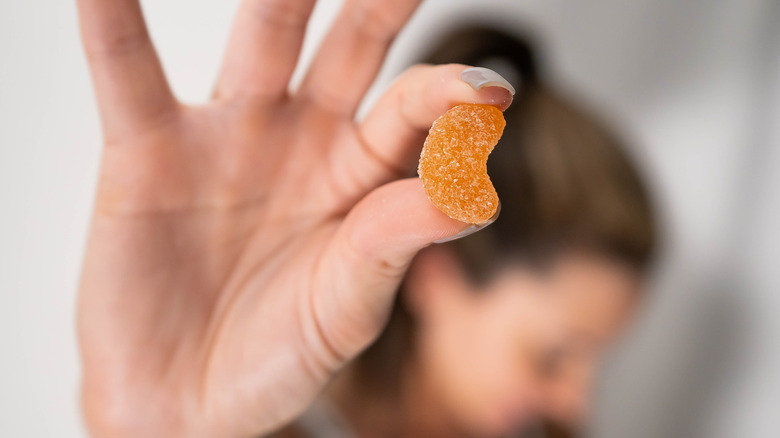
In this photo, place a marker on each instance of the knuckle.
(118, 45)
(283, 13)
(409, 99)
(370, 261)
(372, 20)
(414, 72)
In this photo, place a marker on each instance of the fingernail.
(480, 77)
(472, 229)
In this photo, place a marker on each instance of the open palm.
(243, 250)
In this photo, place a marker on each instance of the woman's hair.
(564, 181)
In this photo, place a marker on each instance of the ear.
(435, 277)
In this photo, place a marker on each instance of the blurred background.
(694, 86)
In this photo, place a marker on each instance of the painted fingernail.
(472, 229)
(480, 77)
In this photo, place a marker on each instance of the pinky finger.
(131, 88)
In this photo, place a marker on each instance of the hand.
(243, 250)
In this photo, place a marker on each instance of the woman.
(499, 332)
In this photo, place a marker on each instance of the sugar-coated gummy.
(453, 163)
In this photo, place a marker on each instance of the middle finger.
(353, 51)
(263, 49)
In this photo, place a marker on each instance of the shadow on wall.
(669, 375)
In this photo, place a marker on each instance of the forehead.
(585, 295)
(595, 295)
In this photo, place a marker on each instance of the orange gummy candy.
(453, 163)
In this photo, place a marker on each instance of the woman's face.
(522, 347)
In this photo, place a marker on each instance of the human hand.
(243, 250)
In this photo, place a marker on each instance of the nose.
(574, 410)
(568, 402)
(569, 410)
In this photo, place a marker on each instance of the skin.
(241, 251)
(493, 359)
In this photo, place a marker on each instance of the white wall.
(688, 81)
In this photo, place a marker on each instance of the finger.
(367, 260)
(129, 81)
(264, 47)
(353, 51)
(390, 137)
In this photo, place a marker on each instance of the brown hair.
(564, 180)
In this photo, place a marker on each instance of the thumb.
(362, 268)
(390, 225)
